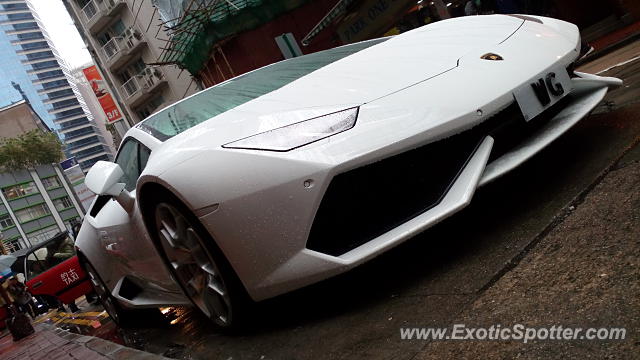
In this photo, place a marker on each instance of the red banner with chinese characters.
(105, 99)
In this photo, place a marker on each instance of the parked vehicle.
(306, 168)
(52, 272)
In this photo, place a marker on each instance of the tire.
(197, 264)
(124, 318)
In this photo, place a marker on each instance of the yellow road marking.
(89, 318)
(94, 323)
(84, 314)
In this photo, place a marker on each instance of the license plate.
(542, 92)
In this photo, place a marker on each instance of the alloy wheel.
(193, 265)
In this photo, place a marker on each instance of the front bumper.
(266, 206)
(268, 244)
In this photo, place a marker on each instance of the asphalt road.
(433, 279)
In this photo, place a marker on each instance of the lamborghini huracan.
(306, 168)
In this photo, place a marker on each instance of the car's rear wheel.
(198, 265)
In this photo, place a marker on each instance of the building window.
(150, 107)
(31, 213)
(65, 103)
(30, 36)
(25, 26)
(83, 142)
(55, 84)
(68, 113)
(60, 93)
(5, 221)
(39, 55)
(43, 234)
(19, 16)
(35, 45)
(11, 7)
(89, 163)
(51, 182)
(79, 132)
(12, 245)
(17, 191)
(62, 203)
(45, 65)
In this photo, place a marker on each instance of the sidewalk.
(613, 40)
(583, 273)
(56, 344)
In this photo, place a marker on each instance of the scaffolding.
(197, 27)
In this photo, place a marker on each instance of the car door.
(122, 235)
(54, 270)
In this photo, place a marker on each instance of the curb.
(103, 347)
(608, 49)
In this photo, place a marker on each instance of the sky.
(62, 31)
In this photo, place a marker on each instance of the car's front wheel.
(198, 265)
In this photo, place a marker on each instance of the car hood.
(363, 77)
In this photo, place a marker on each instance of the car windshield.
(237, 91)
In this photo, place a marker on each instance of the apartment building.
(31, 65)
(35, 203)
(124, 38)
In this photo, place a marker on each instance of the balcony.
(96, 14)
(142, 86)
(119, 50)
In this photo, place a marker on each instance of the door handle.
(112, 247)
(36, 285)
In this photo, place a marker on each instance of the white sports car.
(306, 168)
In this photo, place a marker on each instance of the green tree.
(30, 149)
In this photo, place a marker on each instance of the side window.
(128, 161)
(132, 158)
(47, 257)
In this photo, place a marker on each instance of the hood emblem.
(491, 56)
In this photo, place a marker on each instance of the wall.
(16, 120)
(256, 48)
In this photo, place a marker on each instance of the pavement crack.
(436, 294)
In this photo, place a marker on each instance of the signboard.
(372, 19)
(288, 45)
(106, 101)
(74, 173)
(68, 163)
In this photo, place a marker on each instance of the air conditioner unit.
(131, 35)
(148, 78)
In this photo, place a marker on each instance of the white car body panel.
(417, 88)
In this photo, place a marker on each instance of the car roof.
(27, 251)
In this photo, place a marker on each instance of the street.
(554, 242)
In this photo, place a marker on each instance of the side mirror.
(103, 179)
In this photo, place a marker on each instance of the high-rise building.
(124, 38)
(31, 63)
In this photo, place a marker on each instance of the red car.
(52, 271)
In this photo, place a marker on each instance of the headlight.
(299, 134)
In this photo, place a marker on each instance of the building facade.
(31, 62)
(35, 203)
(217, 40)
(125, 39)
